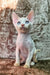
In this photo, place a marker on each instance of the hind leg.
(35, 58)
(35, 55)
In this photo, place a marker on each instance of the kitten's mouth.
(23, 29)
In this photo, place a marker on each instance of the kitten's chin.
(23, 30)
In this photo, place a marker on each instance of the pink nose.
(22, 25)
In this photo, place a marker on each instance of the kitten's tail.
(37, 50)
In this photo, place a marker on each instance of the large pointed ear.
(31, 16)
(15, 18)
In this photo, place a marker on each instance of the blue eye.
(18, 22)
(26, 22)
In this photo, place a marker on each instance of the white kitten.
(25, 47)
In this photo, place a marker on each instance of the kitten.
(25, 47)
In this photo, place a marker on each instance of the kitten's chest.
(22, 41)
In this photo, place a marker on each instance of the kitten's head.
(23, 24)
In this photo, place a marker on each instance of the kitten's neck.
(23, 33)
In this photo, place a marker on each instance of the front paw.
(16, 64)
(26, 66)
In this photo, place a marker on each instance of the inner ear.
(31, 16)
(15, 17)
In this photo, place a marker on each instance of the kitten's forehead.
(23, 19)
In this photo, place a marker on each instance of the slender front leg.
(17, 63)
(28, 61)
